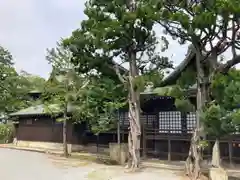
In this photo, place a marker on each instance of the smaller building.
(33, 124)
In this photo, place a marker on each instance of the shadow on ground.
(233, 178)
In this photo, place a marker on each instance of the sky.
(29, 27)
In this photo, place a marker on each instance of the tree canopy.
(121, 31)
(15, 87)
(108, 33)
(88, 97)
(221, 116)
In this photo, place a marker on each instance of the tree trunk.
(65, 148)
(134, 140)
(134, 136)
(216, 154)
(201, 94)
(192, 164)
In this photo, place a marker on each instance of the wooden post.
(123, 132)
(118, 129)
(97, 143)
(209, 148)
(184, 122)
(169, 147)
(230, 151)
(64, 131)
(144, 139)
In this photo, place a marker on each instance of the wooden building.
(229, 146)
(34, 127)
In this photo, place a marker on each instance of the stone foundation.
(218, 174)
(42, 145)
(92, 148)
(118, 152)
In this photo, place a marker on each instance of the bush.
(6, 133)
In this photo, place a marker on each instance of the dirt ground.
(110, 172)
(25, 165)
(39, 166)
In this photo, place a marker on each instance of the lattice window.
(191, 121)
(170, 122)
(29, 121)
(123, 118)
(149, 120)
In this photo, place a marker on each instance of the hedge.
(6, 133)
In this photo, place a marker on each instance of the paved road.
(23, 165)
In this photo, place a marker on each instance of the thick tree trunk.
(192, 165)
(201, 90)
(134, 136)
(134, 139)
(216, 161)
(65, 148)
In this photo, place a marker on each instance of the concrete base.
(218, 174)
(42, 145)
(118, 152)
(59, 146)
(91, 148)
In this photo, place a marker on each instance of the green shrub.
(6, 133)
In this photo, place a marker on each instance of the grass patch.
(99, 159)
(103, 174)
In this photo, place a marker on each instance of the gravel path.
(23, 165)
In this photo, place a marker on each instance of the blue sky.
(29, 27)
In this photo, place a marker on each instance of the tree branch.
(85, 84)
(230, 63)
(121, 78)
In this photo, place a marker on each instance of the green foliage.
(98, 104)
(203, 144)
(198, 22)
(226, 89)
(187, 78)
(215, 121)
(184, 105)
(180, 90)
(33, 82)
(182, 102)
(222, 116)
(6, 133)
(5, 57)
(14, 88)
(81, 97)
(110, 33)
(61, 90)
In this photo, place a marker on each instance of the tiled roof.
(172, 77)
(38, 110)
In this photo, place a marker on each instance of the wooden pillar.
(97, 143)
(184, 122)
(230, 152)
(169, 147)
(144, 138)
(122, 126)
(209, 149)
(118, 129)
